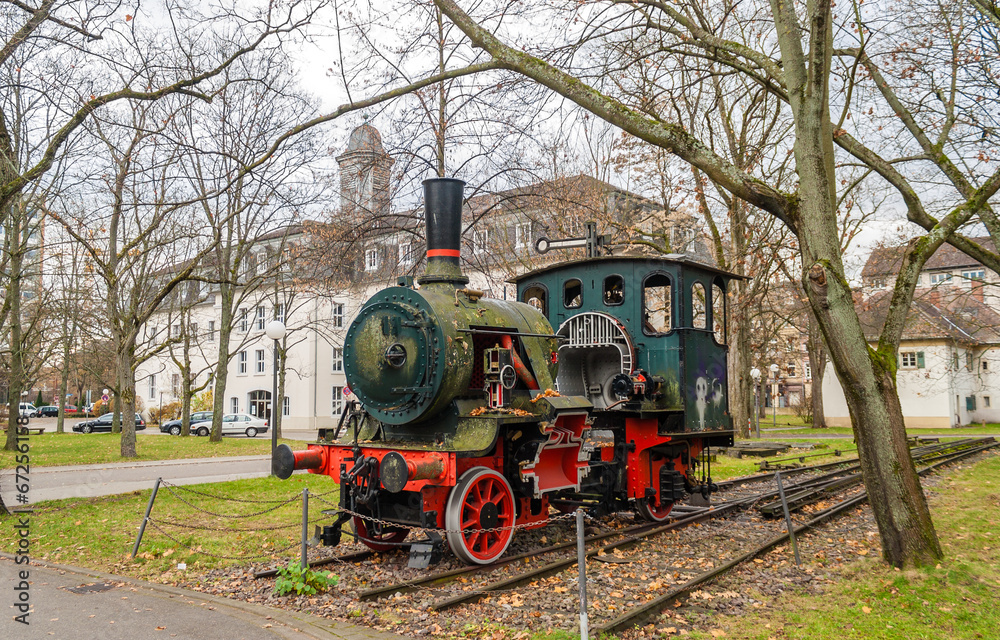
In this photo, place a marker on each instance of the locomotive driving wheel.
(378, 537)
(482, 499)
(645, 508)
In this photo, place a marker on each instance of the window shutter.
(920, 359)
(970, 403)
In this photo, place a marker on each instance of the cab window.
(537, 296)
(656, 300)
(614, 290)
(719, 313)
(699, 311)
(573, 294)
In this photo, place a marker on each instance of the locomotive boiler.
(601, 387)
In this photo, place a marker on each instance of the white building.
(948, 362)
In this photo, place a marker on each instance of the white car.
(235, 424)
(28, 410)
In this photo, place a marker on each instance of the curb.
(148, 463)
(292, 621)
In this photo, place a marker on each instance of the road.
(88, 481)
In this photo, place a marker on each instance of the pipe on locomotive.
(443, 199)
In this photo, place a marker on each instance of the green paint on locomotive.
(409, 357)
(665, 305)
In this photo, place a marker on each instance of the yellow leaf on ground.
(717, 633)
(866, 609)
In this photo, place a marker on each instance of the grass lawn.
(55, 449)
(99, 532)
(955, 599)
(726, 467)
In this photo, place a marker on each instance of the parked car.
(173, 427)
(104, 424)
(27, 409)
(235, 424)
(51, 411)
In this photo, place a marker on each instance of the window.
(984, 365)
(286, 406)
(337, 401)
(371, 260)
(242, 362)
(175, 331)
(968, 360)
(791, 369)
(656, 301)
(153, 331)
(405, 254)
(244, 322)
(234, 405)
(279, 312)
(193, 328)
(259, 361)
(986, 402)
(940, 278)
(537, 296)
(175, 384)
(338, 359)
(911, 359)
(699, 316)
(522, 235)
(573, 294)
(974, 274)
(808, 370)
(954, 360)
(719, 313)
(152, 386)
(261, 317)
(211, 329)
(480, 242)
(337, 317)
(614, 290)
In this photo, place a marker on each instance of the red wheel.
(482, 499)
(653, 513)
(387, 539)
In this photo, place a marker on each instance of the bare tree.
(800, 73)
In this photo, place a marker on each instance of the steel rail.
(638, 615)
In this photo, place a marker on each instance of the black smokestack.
(443, 198)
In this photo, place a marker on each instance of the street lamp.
(275, 330)
(774, 396)
(755, 374)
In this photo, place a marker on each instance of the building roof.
(885, 261)
(958, 315)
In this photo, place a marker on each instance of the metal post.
(305, 525)
(774, 407)
(788, 519)
(581, 558)
(274, 400)
(145, 518)
(756, 408)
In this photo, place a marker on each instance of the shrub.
(203, 401)
(303, 581)
(168, 411)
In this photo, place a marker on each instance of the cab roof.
(670, 258)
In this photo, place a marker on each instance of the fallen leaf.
(160, 628)
(717, 633)
(866, 609)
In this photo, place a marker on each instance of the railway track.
(827, 480)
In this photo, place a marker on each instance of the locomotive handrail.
(516, 333)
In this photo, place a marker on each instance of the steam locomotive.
(602, 386)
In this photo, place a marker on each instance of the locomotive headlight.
(395, 355)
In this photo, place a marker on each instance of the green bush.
(168, 411)
(203, 401)
(303, 581)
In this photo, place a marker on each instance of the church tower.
(365, 169)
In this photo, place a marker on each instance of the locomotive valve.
(395, 471)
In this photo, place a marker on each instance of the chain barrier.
(201, 527)
(269, 555)
(385, 523)
(245, 500)
(170, 488)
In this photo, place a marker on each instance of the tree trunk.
(817, 363)
(126, 400)
(226, 294)
(16, 376)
